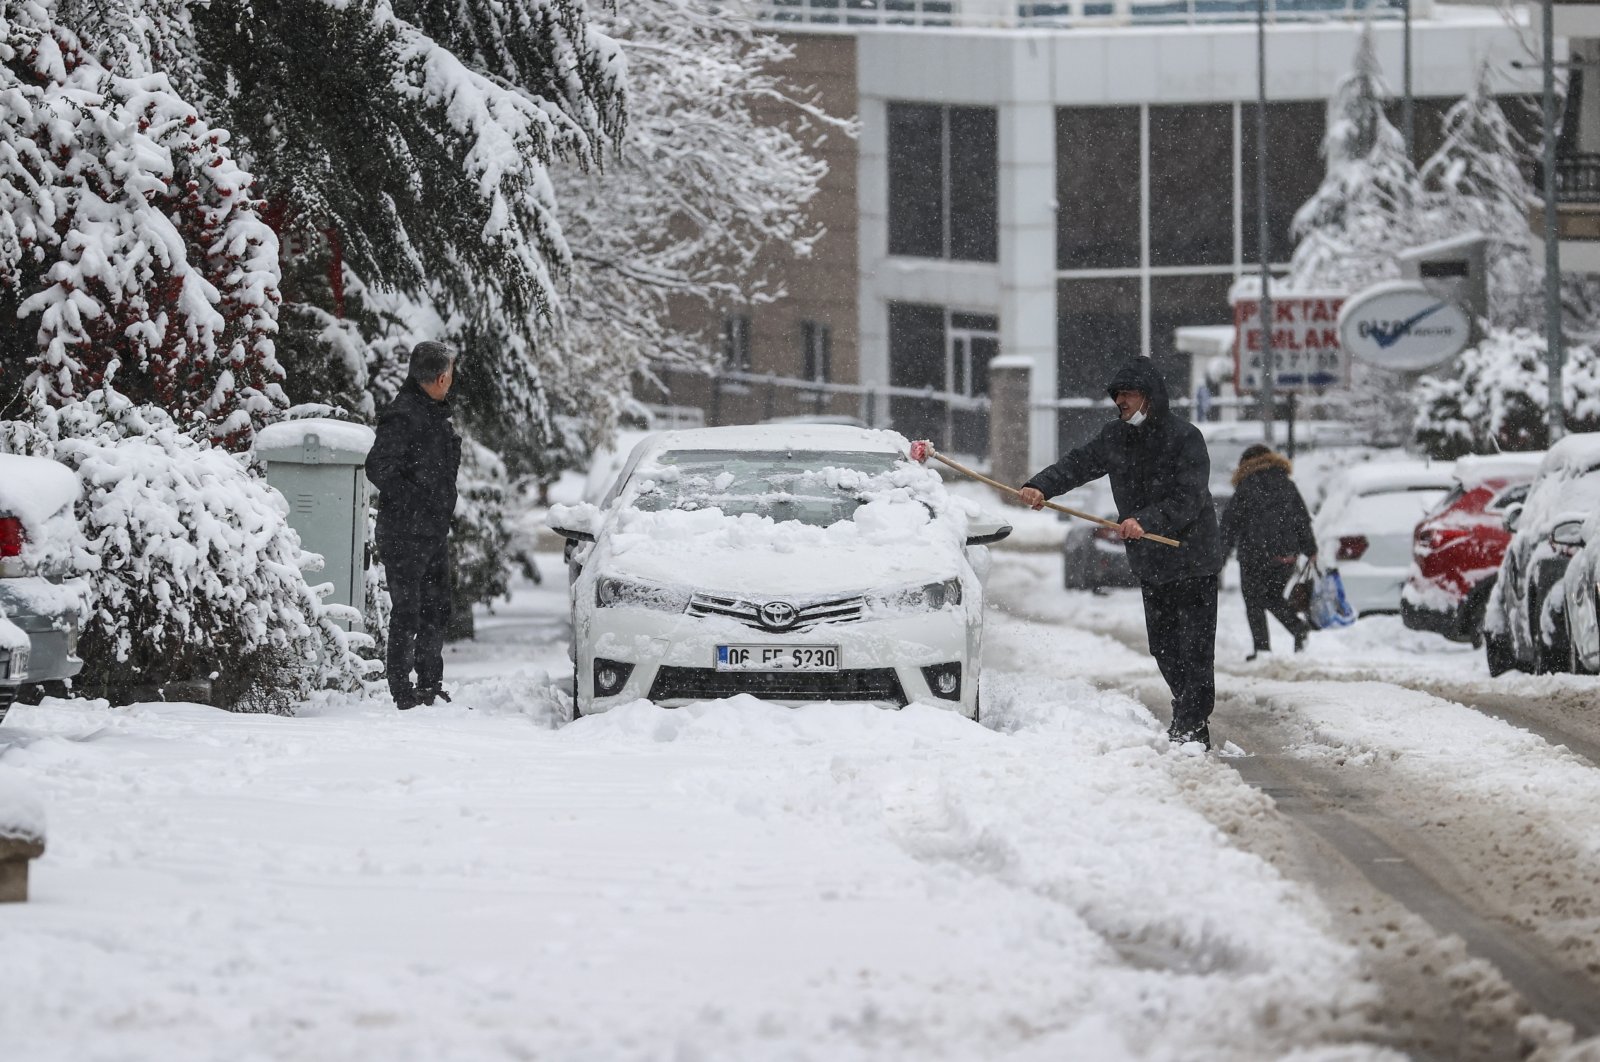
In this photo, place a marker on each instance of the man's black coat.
(1266, 518)
(1160, 475)
(413, 464)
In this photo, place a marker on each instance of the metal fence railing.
(1577, 178)
(1064, 14)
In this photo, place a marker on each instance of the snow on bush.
(131, 251)
(1498, 394)
(197, 571)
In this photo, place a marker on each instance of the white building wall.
(1027, 74)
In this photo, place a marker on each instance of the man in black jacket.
(413, 464)
(1160, 475)
(1267, 521)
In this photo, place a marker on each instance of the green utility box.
(317, 466)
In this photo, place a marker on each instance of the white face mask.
(1137, 419)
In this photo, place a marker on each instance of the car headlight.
(612, 592)
(929, 597)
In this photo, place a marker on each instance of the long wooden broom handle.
(964, 470)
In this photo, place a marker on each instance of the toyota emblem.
(779, 615)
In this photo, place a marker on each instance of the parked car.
(41, 594)
(1581, 592)
(796, 564)
(1365, 524)
(1456, 549)
(1522, 628)
(1093, 557)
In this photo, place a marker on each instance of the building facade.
(1067, 183)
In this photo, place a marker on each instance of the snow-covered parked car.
(41, 596)
(1365, 524)
(1457, 548)
(1581, 595)
(1525, 625)
(793, 563)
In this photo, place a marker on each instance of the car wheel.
(1574, 660)
(1497, 654)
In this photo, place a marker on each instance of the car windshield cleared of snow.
(805, 486)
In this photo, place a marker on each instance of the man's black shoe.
(1255, 653)
(1182, 735)
(428, 695)
(1300, 642)
(405, 701)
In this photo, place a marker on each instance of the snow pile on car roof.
(35, 489)
(1474, 470)
(1581, 451)
(1374, 477)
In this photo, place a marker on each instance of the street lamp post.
(1408, 125)
(1263, 241)
(1552, 244)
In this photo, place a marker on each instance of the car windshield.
(805, 486)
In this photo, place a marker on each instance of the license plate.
(777, 658)
(19, 664)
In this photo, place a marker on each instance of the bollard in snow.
(21, 839)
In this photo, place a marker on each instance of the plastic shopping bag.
(1301, 585)
(1329, 607)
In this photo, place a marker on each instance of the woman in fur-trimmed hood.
(1268, 523)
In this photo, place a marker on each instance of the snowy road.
(735, 881)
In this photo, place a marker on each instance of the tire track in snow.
(1340, 815)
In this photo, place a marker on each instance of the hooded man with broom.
(1160, 475)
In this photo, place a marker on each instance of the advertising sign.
(1306, 354)
(1402, 326)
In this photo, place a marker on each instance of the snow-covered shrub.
(197, 573)
(132, 253)
(1497, 395)
(480, 535)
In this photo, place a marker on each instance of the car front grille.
(704, 683)
(835, 610)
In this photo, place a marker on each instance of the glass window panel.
(1176, 302)
(1097, 187)
(974, 184)
(917, 359)
(1294, 170)
(916, 180)
(1191, 185)
(1097, 329)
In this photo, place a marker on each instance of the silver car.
(41, 594)
(1581, 590)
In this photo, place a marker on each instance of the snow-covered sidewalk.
(727, 881)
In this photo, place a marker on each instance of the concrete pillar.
(1028, 239)
(1009, 397)
(15, 854)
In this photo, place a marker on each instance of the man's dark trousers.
(1262, 583)
(1180, 619)
(418, 570)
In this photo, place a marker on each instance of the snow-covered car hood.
(886, 544)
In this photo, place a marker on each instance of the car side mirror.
(1512, 516)
(1568, 534)
(575, 523)
(986, 532)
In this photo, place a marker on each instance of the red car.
(1456, 549)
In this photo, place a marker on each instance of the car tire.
(1574, 661)
(1497, 654)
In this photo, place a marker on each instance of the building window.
(1191, 185)
(1098, 160)
(945, 353)
(736, 342)
(1294, 172)
(944, 180)
(816, 347)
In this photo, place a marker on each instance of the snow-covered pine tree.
(1365, 208)
(1477, 180)
(420, 136)
(132, 253)
(194, 570)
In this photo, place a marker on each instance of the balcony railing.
(1577, 178)
(1064, 14)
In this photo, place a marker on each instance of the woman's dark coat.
(1160, 475)
(1266, 520)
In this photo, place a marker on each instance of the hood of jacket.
(1263, 463)
(1141, 374)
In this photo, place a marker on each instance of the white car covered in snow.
(793, 563)
(1365, 524)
